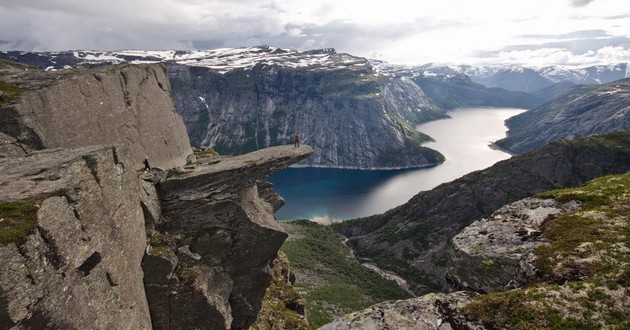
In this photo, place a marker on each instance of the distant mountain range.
(583, 110)
(356, 113)
(530, 80)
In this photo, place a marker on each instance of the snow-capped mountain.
(355, 112)
(243, 99)
(531, 79)
(219, 60)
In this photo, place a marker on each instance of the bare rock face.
(77, 264)
(124, 104)
(76, 214)
(430, 312)
(208, 261)
(496, 253)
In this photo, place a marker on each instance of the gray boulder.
(434, 311)
(496, 253)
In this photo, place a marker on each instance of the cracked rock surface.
(496, 253)
(79, 266)
(430, 312)
(215, 241)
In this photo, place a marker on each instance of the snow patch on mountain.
(224, 60)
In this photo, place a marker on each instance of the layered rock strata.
(210, 252)
(73, 262)
(76, 210)
(125, 104)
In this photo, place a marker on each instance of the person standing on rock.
(296, 140)
(146, 164)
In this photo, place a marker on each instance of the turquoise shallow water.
(341, 194)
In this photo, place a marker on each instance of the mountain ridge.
(412, 239)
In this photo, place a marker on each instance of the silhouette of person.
(296, 140)
(146, 164)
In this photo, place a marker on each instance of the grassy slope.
(586, 267)
(331, 280)
(410, 239)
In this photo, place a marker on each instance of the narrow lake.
(340, 194)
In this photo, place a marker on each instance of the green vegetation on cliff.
(8, 93)
(412, 240)
(17, 220)
(282, 305)
(585, 268)
(330, 279)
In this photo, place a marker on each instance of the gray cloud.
(578, 42)
(574, 34)
(580, 3)
(49, 25)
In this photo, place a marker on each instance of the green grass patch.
(339, 284)
(587, 253)
(206, 152)
(8, 93)
(17, 220)
(522, 310)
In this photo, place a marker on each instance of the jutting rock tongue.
(209, 254)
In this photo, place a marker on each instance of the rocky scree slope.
(581, 111)
(85, 237)
(238, 100)
(413, 240)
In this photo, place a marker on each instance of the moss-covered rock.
(584, 269)
(282, 306)
(17, 220)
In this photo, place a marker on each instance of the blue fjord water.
(340, 194)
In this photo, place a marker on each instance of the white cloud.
(398, 30)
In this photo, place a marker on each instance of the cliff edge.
(90, 240)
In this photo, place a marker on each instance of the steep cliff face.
(128, 104)
(239, 100)
(72, 239)
(351, 116)
(90, 241)
(207, 265)
(581, 111)
(413, 239)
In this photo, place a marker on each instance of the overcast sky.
(535, 32)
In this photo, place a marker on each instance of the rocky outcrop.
(74, 261)
(496, 253)
(430, 312)
(127, 104)
(283, 306)
(413, 239)
(89, 240)
(214, 242)
(581, 111)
